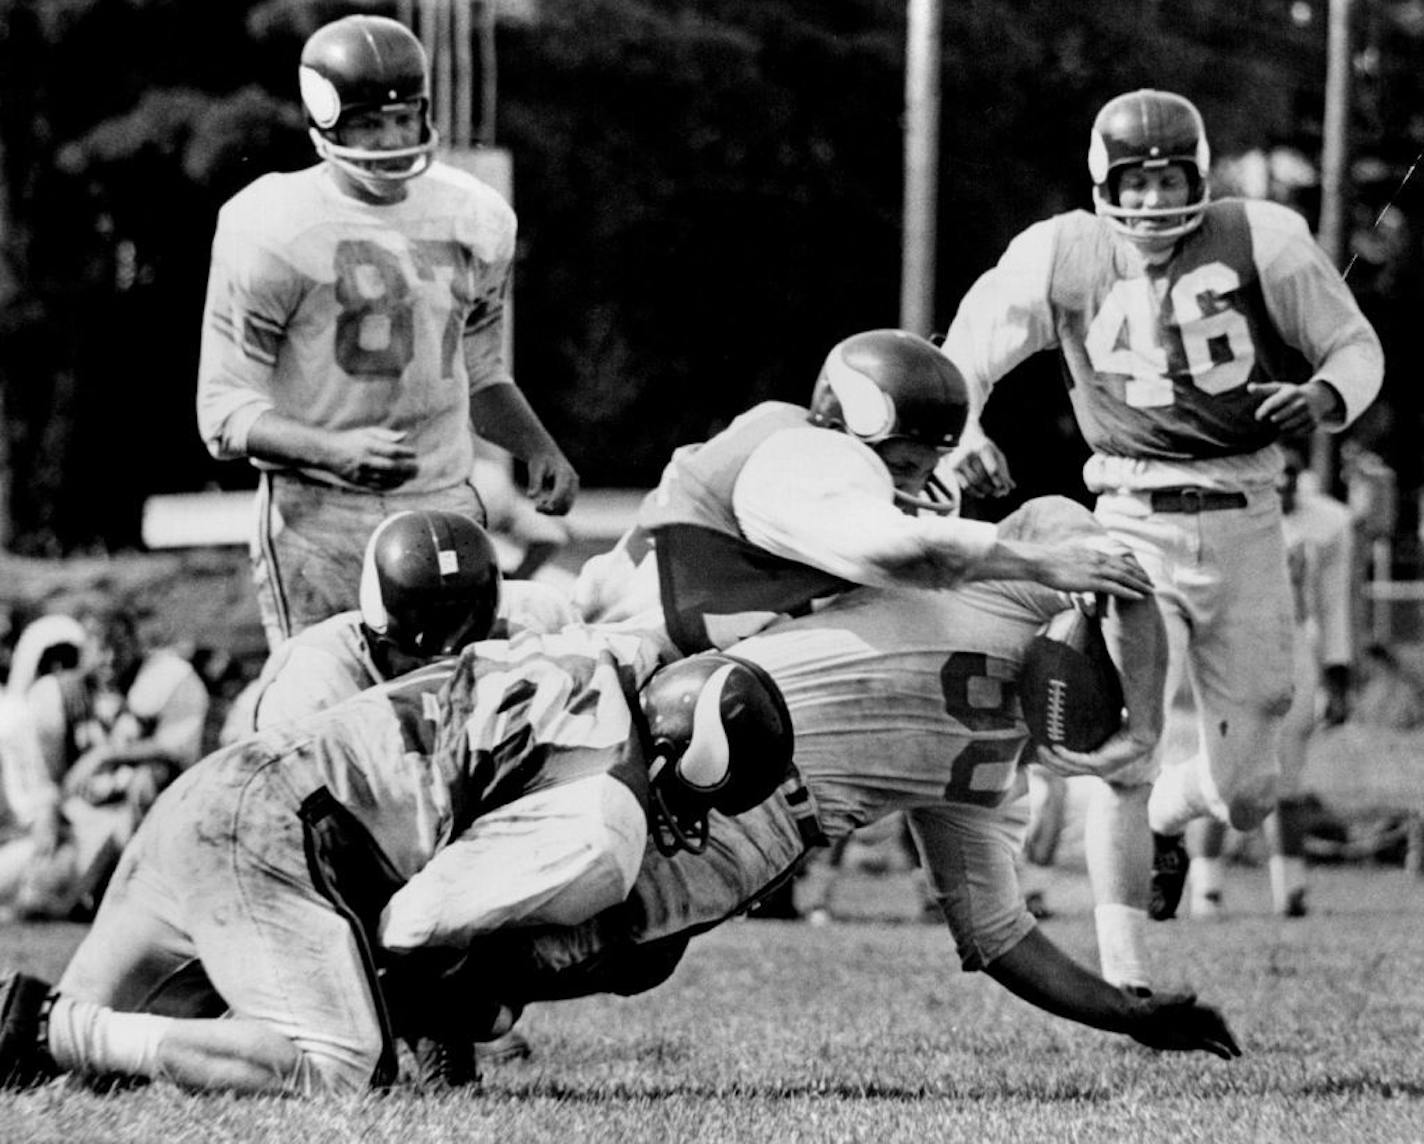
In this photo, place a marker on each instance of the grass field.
(867, 1030)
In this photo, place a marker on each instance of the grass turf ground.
(867, 1030)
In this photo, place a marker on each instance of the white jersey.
(346, 314)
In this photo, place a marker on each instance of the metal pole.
(489, 73)
(922, 88)
(464, 74)
(1334, 186)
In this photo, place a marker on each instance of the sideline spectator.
(108, 735)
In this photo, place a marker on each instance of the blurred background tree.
(709, 195)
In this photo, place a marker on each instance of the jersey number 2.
(1208, 338)
(980, 694)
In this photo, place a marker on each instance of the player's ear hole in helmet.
(359, 64)
(1149, 129)
(430, 583)
(719, 738)
(882, 386)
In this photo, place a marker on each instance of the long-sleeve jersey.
(418, 759)
(766, 517)
(1158, 358)
(344, 314)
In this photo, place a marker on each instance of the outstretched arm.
(1043, 975)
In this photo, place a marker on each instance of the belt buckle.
(1193, 500)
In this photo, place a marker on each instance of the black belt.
(1194, 500)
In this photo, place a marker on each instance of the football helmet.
(430, 582)
(884, 384)
(1149, 128)
(360, 63)
(719, 738)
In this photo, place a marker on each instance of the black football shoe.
(1170, 863)
(24, 1056)
(444, 1063)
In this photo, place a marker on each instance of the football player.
(1195, 333)
(430, 585)
(354, 326)
(899, 700)
(791, 504)
(269, 880)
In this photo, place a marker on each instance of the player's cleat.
(444, 1063)
(1170, 864)
(508, 1046)
(1295, 906)
(24, 1057)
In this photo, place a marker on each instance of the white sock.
(85, 1037)
(1287, 876)
(1207, 876)
(1120, 944)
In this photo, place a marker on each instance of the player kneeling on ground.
(271, 880)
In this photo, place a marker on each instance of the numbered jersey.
(908, 698)
(419, 758)
(345, 314)
(1159, 358)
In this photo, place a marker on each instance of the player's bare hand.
(1123, 749)
(1072, 566)
(373, 457)
(1177, 1023)
(1297, 409)
(553, 483)
(980, 466)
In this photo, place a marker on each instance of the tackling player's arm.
(822, 499)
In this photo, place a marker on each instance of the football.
(1069, 687)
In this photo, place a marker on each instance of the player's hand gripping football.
(1125, 747)
(1177, 1023)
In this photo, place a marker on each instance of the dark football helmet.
(884, 384)
(1149, 128)
(430, 582)
(360, 63)
(720, 739)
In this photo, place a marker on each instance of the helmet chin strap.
(940, 499)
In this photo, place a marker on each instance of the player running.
(1195, 334)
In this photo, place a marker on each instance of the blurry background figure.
(101, 737)
(525, 539)
(1048, 810)
(882, 848)
(1319, 533)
